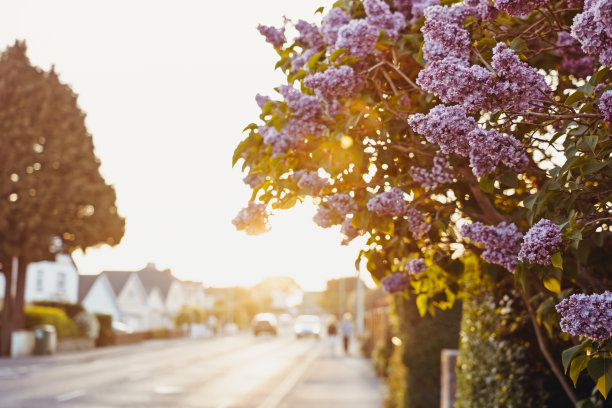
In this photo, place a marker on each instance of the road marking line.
(280, 392)
(70, 395)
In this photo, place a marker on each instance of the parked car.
(307, 325)
(264, 323)
(120, 327)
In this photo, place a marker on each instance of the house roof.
(85, 283)
(117, 279)
(152, 277)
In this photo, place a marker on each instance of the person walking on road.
(332, 333)
(346, 327)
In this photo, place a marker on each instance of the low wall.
(75, 344)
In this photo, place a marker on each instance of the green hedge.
(39, 315)
(414, 366)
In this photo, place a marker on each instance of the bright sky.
(168, 87)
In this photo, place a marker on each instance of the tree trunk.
(19, 312)
(6, 321)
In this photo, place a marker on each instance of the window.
(39, 280)
(61, 282)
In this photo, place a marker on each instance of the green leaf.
(579, 364)
(312, 61)
(591, 141)
(605, 381)
(334, 55)
(569, 354)
(518, 45)
(509, 179)
(421, 302)
(552, 283)
(599, 75)
(319, 10)
(574, 97)
(557, 260)
(530, 201)
(597, 367)
(487, 184)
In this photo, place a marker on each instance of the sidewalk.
(337, 381)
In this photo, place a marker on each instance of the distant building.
(171, 289)
(50, 280)
(131, 298)
(97, 296)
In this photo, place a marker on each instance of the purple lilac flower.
(307, 113)
(481, 9)
(334, 82)
(593, 29)
(605, 106)
(404, 7)
(502, 242)
(252, 219)
(429, 179)
(379, 15)
(448, 126)
(280, 142)
(540, 241)
(416, 266)
(454, 39)
(332, 22)
(324, 217)
(396, 282)
(416, 223)
(489, 148)
(342, 204)
(273, 35)
(310, 180)
(358, 37)
(349, 231)
(573, 60)
(454, 80)
(587, 315)
(518, 7)
(388, 203)
(261, 100)
(518, 83)
(252, 180)
(310, 35)
(419, 7)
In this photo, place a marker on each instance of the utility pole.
(341, 296)
(359, 303)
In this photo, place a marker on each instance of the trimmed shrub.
(106, 335)
(71, 309)
(39, 315)
(414, 366)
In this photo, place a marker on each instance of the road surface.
(240, 371)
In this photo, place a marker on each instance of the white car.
(307, 325)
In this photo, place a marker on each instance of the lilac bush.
(310, 180)
(416, 223)
(380, 16)
(358, 37)
(593, 29)
(252, 219)
(273, 35)
(502, 242)
(416, 266)
(334, 83)
(342, 204)
(605, 106)
(431, 178)
(396, 282)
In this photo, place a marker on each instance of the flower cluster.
(432, 178)
(396, 282)
(307, 114)
(334, 83)
(349, 231)
(310, 36)
(310, 180)
(253, 219)
(281, 142)
(518, 7)
(605, 106)
(379, 15)
(587, 315)
(573, 60)
(261, 100)
(502, 242)
(273, 35)
(593, 29)
(324, 217)
(388, 203)
(357, 37)
(416, 223)
(252, 180)
(332, 22)
(540, 241)
(342, 204)
(416, 266)
(455, 132)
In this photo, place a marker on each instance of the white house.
(131, 298)
(195, 295)
(171, 288)
(97, 296)
(48, 280)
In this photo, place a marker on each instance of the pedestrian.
(332, 333)
(346, 327)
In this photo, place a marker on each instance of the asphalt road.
(240, 371)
